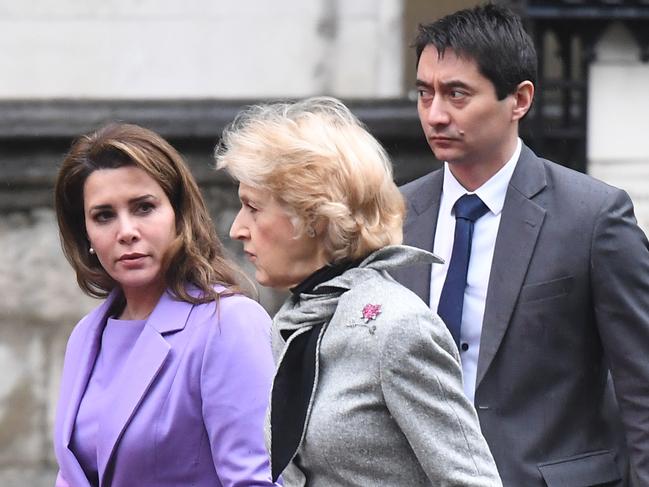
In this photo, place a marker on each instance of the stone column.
(618, 133)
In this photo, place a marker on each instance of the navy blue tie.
(467, 210)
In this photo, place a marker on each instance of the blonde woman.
(368, 389)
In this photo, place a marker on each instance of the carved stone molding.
(35, 135)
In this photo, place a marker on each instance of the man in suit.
(553, 324)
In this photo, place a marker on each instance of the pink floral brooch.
(370, 312)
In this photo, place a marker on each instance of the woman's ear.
(523, 97)
(320, 226)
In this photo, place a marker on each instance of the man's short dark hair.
(493, 36)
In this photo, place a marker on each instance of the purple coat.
(194, 393)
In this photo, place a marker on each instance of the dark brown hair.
(194, 258)
(493, 36)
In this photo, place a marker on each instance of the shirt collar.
(492, 192)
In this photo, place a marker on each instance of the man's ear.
(523, 97)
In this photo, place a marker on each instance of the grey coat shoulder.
(400, 309)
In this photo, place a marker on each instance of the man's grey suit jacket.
(568, 296)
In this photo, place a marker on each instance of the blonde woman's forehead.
(253, 193)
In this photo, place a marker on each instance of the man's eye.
(424, 95)
(457, 94)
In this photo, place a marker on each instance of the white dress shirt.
(492, 193)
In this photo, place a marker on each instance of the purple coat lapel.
(74, 382)
(140, 370)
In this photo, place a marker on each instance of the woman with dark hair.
(167, 381)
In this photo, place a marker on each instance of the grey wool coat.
(387, 406)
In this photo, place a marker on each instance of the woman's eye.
(102, 216)
(250, 208)
(144, 208)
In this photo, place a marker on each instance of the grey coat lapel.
(520, 224)
(423, 196)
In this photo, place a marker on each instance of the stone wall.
(40, 303)
(200, 48)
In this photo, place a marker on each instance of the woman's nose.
(128, 232)
(238, 231)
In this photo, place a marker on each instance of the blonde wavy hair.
(320, 163)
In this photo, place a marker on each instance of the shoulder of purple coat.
(234, 307)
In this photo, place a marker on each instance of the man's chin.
(442, 155)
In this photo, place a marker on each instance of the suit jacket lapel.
(140, 370)
(520, 224)
(86, 356)
(420, 226)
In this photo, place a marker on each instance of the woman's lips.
(132, 260)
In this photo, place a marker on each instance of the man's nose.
(437, 113)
